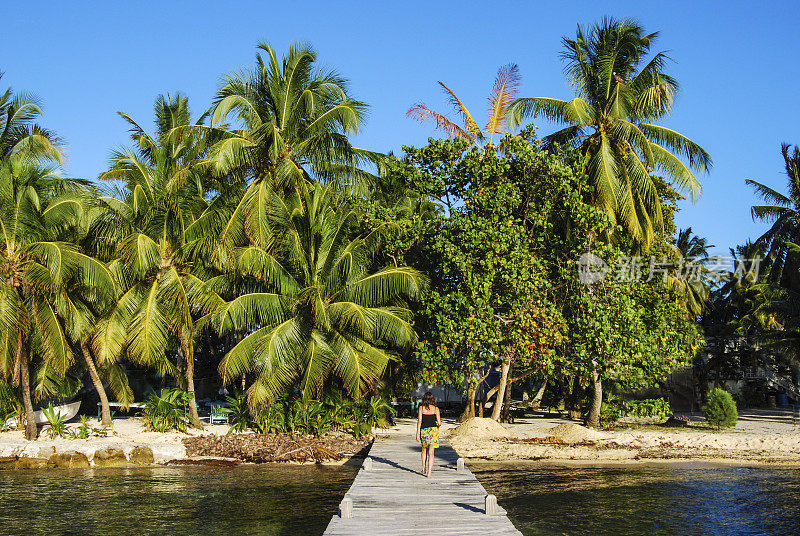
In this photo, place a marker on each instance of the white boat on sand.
(67, 411)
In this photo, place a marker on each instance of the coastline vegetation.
(256, 243)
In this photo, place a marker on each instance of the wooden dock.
(390, 496)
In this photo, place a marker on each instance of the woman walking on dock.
(428, 422)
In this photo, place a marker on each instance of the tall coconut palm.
(783, 211)
(503, 94)
(32, 264)
(37, 269)
(314, 308)
(291, 122)
(165, 191)
(696, 287)
(612, 120)
(79, 309)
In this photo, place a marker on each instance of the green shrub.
(609, 413)
(720, 409)
(378, 412)
(649, 407)
(271, 418)
(167, 411)
(56, 421)
(83, 431)
(238, 413)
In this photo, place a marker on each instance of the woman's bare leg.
(430, 460)
(424, 459)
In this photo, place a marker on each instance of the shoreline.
(128, 444)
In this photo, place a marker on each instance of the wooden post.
(367, 464)
(460, 464)
(490, 503)
(346, 508)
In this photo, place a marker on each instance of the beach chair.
(216, 415)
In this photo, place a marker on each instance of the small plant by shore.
(166, 411)
(720, 409)
(57, 424)
(309, 417)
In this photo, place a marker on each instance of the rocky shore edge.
(198, 450)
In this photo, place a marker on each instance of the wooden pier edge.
(390, 496)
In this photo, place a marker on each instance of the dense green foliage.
(619, 95)
(256, 243)
(649, 407)
(720, 409)
(505, 277)
(166, 411)
(310, 417)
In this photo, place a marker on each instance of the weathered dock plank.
(395, 498)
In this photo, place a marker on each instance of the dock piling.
(346, 508)
(490, 505)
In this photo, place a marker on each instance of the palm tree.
(696, 287)
(165, 192)
(783, 211)
(79, 309)
(37, 271)
(34, 207)
(293, 122)
(612, 119)
(502, 96)
(313, 308)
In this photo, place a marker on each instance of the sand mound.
(574, 433)
(480, 428)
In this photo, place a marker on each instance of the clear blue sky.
(736, 61)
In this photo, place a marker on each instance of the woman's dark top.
(428, 421)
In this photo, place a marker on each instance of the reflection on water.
(248, 500)
(646, 499)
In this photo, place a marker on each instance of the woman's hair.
(428, 399)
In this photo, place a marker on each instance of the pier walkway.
(390, 496)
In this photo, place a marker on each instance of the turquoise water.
(668, 500)
(175, 501)
(300, 500)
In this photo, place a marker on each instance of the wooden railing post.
(460, 464)
(346, 508)
(490, 505)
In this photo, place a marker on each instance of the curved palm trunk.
(188, 354)
(31, 431)
(98, 385)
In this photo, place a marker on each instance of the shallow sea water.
(177, 501)
(674, 499)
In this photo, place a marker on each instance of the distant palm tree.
(311, 303)
(38, 273)
(697, 287)
(783, 211)
(503, 94)
(146, 228)
(292, 122)
(35, 206)
(611, 121)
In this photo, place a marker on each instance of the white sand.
(760, 436)
(126, 434)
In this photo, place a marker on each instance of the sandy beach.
(760, 436)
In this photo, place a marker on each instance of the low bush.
(720, 409)
(57, 424)
(311, 417)
(166, 411)
(649, 408)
